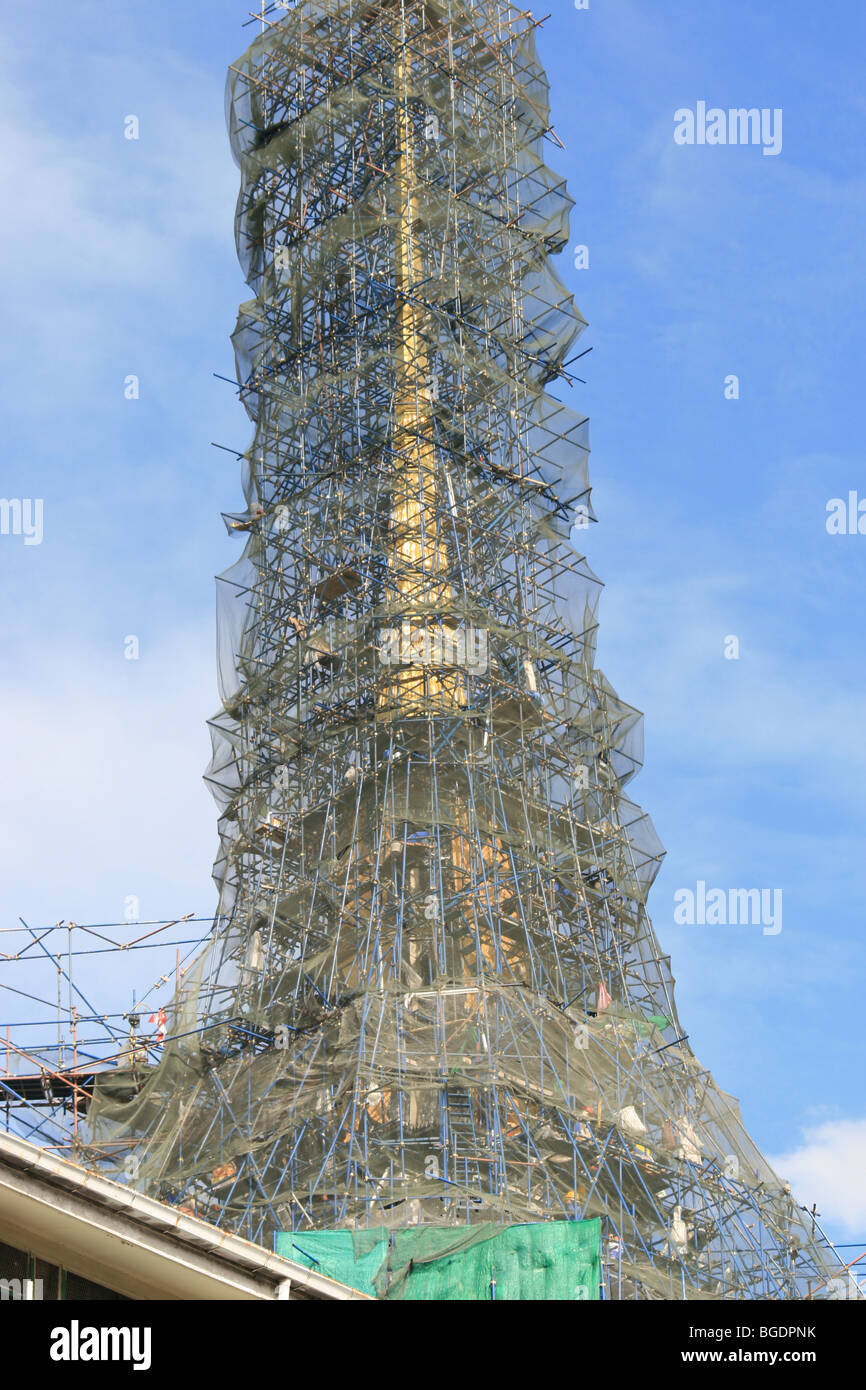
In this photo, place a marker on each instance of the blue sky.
(703, 262)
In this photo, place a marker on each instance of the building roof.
(134, 1244)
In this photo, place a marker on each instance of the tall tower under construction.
(433, 1000)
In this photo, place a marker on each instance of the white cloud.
(828, 1168)
(112, 243)
(88, 206)
(102, 790)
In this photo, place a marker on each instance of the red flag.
(159, 1019)
(604, 999)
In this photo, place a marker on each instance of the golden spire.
(419, 559)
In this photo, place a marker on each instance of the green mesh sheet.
(552, 1260)
(334, 1253)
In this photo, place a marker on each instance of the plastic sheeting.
(555, 1261)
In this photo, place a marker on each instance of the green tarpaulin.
(552, 1260)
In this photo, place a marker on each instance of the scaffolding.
(59, 1036)
(433, 995)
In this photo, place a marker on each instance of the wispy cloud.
(103, 792)
(105, 238)
(827, 1167)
